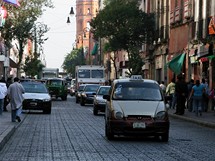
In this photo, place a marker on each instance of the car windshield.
(35, 88)
(137, 91)
(91, 88)
(103, 91)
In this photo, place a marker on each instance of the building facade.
(86, 10)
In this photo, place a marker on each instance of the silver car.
(36, 97)
(98, 102)
(136, 106)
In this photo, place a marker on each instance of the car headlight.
(118, 115)
(84, 94)
(162, 115)
(47, 100)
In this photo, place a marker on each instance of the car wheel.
(47, 111)
(95, 111)
(64, 98)
(165, 137)
(82, 102)
(76, 100)
(108, 132)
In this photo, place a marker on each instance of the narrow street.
(73, 133)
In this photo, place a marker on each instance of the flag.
(13, 2)
(176, 63)
(95, 49)
(211, 26)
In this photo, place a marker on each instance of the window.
(83, 73)
(97, 74)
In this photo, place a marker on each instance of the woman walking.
(197, 96)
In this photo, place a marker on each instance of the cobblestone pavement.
(73, 133)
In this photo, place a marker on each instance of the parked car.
(136, 106)
(57, 87)
(87, 95)
(36, 97)
(98, 102)
(78, 93)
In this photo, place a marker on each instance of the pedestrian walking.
(163, 87)
(190, 101)
(15, 92)
(170, 91)
(197, 96)
(6, 99)
(3, 93)
(205, 100)
(181, 92)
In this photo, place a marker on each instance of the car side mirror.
(107, 97)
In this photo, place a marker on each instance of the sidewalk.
(7, 128)
(207, 119)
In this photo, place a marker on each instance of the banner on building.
(13, 2)
(211, 26)
(176, 63)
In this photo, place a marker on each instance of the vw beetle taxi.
(136, 106)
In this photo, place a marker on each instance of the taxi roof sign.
(136, 77)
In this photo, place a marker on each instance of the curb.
(199, 122)
(6, 135)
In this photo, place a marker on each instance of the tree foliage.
(20, 22)
(125, 26)
(72, 59)
(33, 66)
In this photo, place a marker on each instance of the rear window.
(55, 82)
(91, 88)
(103, 91)
(137, 91)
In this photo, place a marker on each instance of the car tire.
(108, 132)
(95, 111)
(47, 111)
(165, 137)
(76, 100)
(64, 98)
(82, 102)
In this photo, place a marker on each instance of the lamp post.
(70, 13)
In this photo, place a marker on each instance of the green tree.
(126, 27)
(72, 59)
(21, 21)
(33, 66)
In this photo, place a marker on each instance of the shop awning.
(95, 49)
(13, 64)
(176, 63)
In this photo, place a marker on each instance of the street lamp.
(70, 13)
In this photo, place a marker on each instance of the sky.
(61, 36)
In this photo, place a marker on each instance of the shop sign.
(204, 59)
(193, 60)
(202, 50)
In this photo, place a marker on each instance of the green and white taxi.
(136, 106)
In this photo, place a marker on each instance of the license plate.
(33, 103)
(140, 125)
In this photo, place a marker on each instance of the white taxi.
(136, 106)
